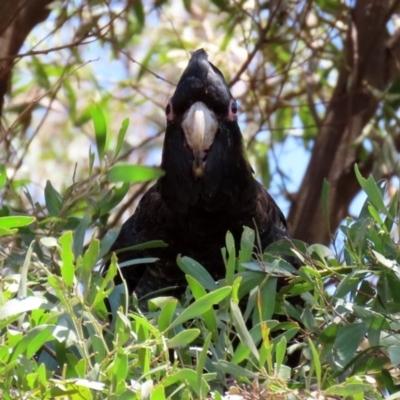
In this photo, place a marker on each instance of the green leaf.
(5, 232)
(394, 354)
(246, 244)
(371, 189)
(280, 352)
(197, 271)
(79, 234)
(183, 338)
(202, 305)
(187, 377)
(209, 316)
(100, 129)
(67, 258)
(32, 341)
(89, 261)
(166, 314)
(53, 199)
(18, 306)
(201, 361)
(235, 370)
(348, 339)
(15, 221)
(316, 363)
(138, 10)
(133, 173)
(231, 262)
(348, 389)
(3, 175)
(121, 136)
(241, 329)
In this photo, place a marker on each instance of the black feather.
(190, 213)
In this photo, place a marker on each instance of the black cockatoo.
(208, 187)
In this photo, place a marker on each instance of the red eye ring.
(233, 110)
(169, 111)
(234, 107)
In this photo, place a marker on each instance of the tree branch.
(362, 75)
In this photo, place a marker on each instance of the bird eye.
(234, 107)
(233, 111)
(169, 111)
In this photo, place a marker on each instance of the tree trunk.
(18, 18)
(367, 69)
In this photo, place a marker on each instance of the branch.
(353, 104)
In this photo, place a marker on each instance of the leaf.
(89, 261)
(197, 271)
(235, 370)
(15, 221)
(23, 283)
(201, 361)
(348, 389)
(280, 352)
(32, 341)
(394, 354)
(5, 232)
(231, 262)
(316, 363)
(138, 9)
(79, 234)
(121, 136)
(187, 377)
(67, 258)
(18, 306)
(100, 129)
(371, 189)
(53, 199)
(183, 338)
(3, 175)
(202, 305)
(209, 316)
(241, 329)
(266, 298)
(348, 339)
(246, 244)
(166, 314)
(50, 242)
(133, 173)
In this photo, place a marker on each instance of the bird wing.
(143, 226)
(269, 219)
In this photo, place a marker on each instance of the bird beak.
(200, 126)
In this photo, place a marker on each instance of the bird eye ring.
(234, 107)
(233, 110)
(169, 111)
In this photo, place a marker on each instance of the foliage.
(84, 71)
(57, 339)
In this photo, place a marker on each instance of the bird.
(207, 190)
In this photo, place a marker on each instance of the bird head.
(203, 147)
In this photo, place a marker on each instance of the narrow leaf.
(133, 173)
(183, 338)
(202, 305)
(100, 129)
(197, 271)
(15, 221)
(121, 136)
(241, 329)
(53, 199)
(67, 258)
